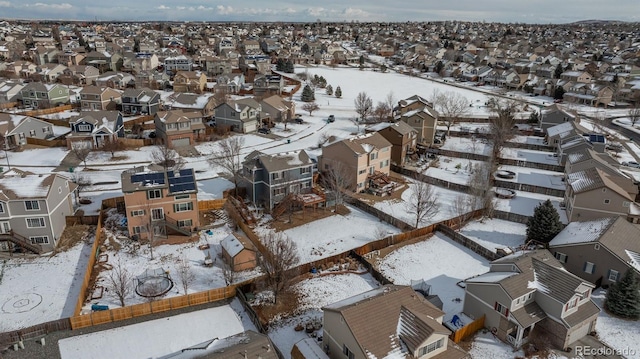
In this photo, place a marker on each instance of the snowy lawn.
(525, 202)
(440, 262)
(142, 155)
(618, 333)
(316, 293)
(463, 144)
(336, 234)
(213, 188)
(535, 177)
(495, 233)
(49, 157)
(486, 345)
(42, 289)
(521, 154)
(160, 337)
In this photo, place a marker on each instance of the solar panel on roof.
(186, 172)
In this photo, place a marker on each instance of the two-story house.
(15, 129)
(279, 109)
(268, 179)
(239, 115)
(189, 81)
(387, 322)
(143, 101)
(115, 80)
(10, 91)
(39, 95)
(361, 157)
(70, 58)
(79, 75)
(99, 98)
(598, 251)
(554, 115)
(33, 208)
(95, 128)
(531, 291)
(268, 85)
(403, 139)
(159, 202)
(204, 103)
(48, 72)
(178, 128)
(418, 113)
(177, 63)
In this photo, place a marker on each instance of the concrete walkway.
(590, 348)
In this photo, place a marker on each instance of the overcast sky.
(510, 11)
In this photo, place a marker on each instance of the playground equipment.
(153, 283)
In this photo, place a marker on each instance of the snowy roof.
(310, 349)
(366, 143)
(579, 232)
(281, 161)
(560, 129)
(490, 277)
(234, 244)
(26, 186)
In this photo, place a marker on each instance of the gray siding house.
(528, 292)
(240, 116)
(554, 115)
(33, 208)
(15, 129)
(140, 102)
(268, 179)
(39, 95)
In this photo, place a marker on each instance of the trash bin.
(288, 140)
(70, 169)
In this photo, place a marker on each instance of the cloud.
(5, 4)
(222, 10)
(63, 6)
(162, 7)
(316, 11)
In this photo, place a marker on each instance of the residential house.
(92, 129)
(239, 115)
(267, 85)
(585, 159)
(79, 75)
(177, 63)
(228, 85)
(589, 94)
(599, 251)
(403, 139)
(155, 80)
(189, 81)
(249, 343)
(592, 193)
(279, 109)
(116, 80)
(557, 133)
(268, 179)
(577, 76)
(10, 91)
(531, 292)
(359, 157)
(178, 128)
(160, 202)
(424, 122)
(238, 252)
(70, 58)
(143, 101)
(48, 72)
(33, 210)
(99, 98)
(103, 61)
(406, 326)
(554, 115)
(205, 103)
(39, 95)
(15, 129)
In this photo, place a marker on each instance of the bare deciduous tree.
(423, 204)
(281, 255)
(390, 101)
(185, 273)
(120, 282)
(338, 180)
(310, 107)
(168, 158)
(364, 105)
(461, 206)
(81, 151)
(502, 123)
(451, 105)
(113, 146)
(228, 156)
(228, 273)
(82, 182)
(381, 112)
(634, 114)
(480, 184)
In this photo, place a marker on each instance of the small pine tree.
(623, 297)
(307, 94)
(534, 117)
(338, 92)
(280, 65)
(545, 223)
(329, 90)
(558, 94)
(558, 72)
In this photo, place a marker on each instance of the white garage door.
(579, 332)
(250, 127)
(180, 142)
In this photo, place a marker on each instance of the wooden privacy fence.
(529, 188)
(431, 180)
(92, 261)
(159, 306)
(6, 105)
(34, 332)
(136, 142)
(211, 204)
(129, 123)
(467, 242)
(467, 330)
(48, 111)
(378, 213)
(86, 220)
(47, 143)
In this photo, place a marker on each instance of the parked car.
(264, 130)
(631, 164)
(331, 118)
(298, 119)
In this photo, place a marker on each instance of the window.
(21, 136)
(137, 213)
(613, 275)
(373, 155)
(32, 205)
(275, 176)
(625, 204)
(37, 222)
(431, 347)
(571, 304)
(596, 246)
(561, 257)
(139, 229)
(84, 128)
(279, 191)
(501, 308)
(183, 207)
(185, 223)
(306, 185)
(589, 267)
(304, 170)
(1, 207)
(361, 172)
(154, 193)
(32, 133)
(607, 201)
(361, 184)
(39, 240)
(59, 189)
(585, 294)
(348, 353)
(157, 214)
(182, 196)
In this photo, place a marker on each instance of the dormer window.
(571, 304)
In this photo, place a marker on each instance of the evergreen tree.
(280, 65)
(329, 90)
(558, 94)
(545, 223)
(623, 297)
(305, 48)
(308, 94)
(338, 92)
(289, 67)
(558, 72)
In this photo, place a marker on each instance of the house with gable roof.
(554, 115)
(243, 115)
(99, 98)
(205, 103)
(178, 128)
(531, 291)
(33, 208)
(418, 113)
(15, 129)
(39, 95)
(279, 109)
(403, 139)
(143, 101)
(93, 129)
(238, 252)
(599, 251)
(391, 321)
(189, 81)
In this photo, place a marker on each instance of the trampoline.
(153, 283)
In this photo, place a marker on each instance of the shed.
(238, 252)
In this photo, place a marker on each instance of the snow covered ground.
(535, 177)
(486, 345)
(529, 155)
(160, 337)
(525, 202)
(495, 233)
(620, 334)
(441, 262)
(39, 290)
(463, 144)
